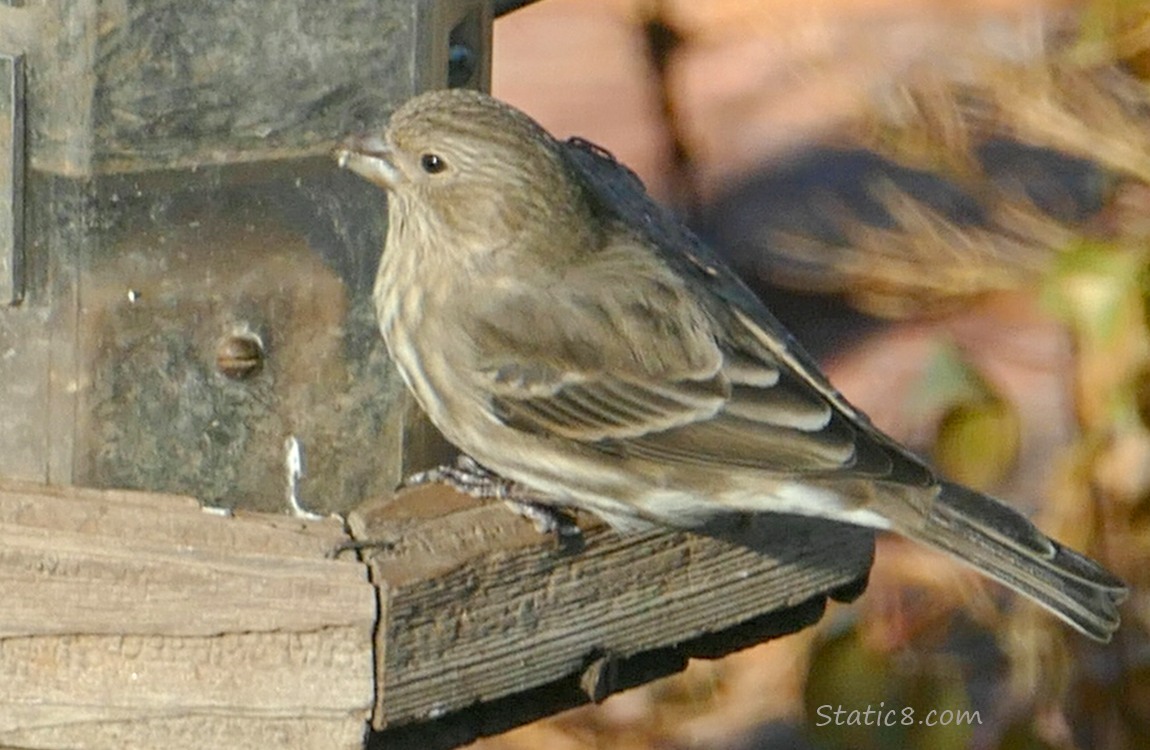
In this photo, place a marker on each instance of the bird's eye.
(432, 163)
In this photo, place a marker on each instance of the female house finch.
(567, 334)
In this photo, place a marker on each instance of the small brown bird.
(567, 333)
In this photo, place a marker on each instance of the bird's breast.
(418, 318)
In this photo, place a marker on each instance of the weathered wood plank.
(477, 605)
(138, 620)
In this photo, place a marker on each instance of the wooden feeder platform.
(140, 620)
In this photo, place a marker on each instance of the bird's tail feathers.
(1004, 545)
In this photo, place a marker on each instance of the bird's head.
(461, 162)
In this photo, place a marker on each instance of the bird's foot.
(547, 519)
(469, 477)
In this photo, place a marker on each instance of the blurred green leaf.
(1101, 28)
(944, 719)
(977, 443)
(860, 699)
(949, 379)
(845, 679)
(1089, 287)
(977, 437)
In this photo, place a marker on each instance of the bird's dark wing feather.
(748, 415)
(605, 408)
(784, 428)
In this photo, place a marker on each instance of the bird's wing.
(747, 415)
(781, 427)
(600, 408)
(658, 378)
(615, 349)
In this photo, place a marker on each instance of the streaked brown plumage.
(577, 341)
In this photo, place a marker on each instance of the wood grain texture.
(139, 620)
(476, 605)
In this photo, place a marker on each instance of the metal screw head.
(240, 356)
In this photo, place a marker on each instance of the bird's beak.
(370, 158)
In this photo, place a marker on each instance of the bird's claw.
(469, 477)
(547, 519)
